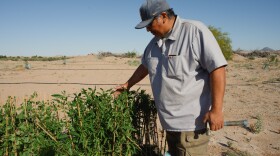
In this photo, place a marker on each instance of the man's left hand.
(215, 119)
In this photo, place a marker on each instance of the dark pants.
(188, 143)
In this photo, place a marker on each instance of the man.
(187, 72)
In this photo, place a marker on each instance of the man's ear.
(164, 16)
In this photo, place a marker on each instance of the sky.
(81, 27)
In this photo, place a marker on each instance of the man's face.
(155, 27)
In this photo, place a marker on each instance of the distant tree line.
(32, 58)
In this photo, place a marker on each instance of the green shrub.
(130, 54)
(224, 42)
(3, 56)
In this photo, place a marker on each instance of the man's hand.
(119, 89)
(215, 119)
(137, 76)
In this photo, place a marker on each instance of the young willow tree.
(223, 40)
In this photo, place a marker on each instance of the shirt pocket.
(174, 68)
(152, 65)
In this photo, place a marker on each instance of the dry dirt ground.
(252, 93)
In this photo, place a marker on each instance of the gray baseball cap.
(149, 10)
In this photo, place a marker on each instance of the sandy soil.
(251, 92)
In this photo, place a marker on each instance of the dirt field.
(252, 93)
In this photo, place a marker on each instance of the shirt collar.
(172, 34)
(175, 30)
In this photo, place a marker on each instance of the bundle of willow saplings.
(89, 123)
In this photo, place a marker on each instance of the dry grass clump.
(257, 126)
(272, 60)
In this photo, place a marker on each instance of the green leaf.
(26, 140)
(58, 96)
(12, 137)
(62, 136)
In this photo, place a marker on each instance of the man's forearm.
(218, 82)
(140, 73)
(215, 116)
